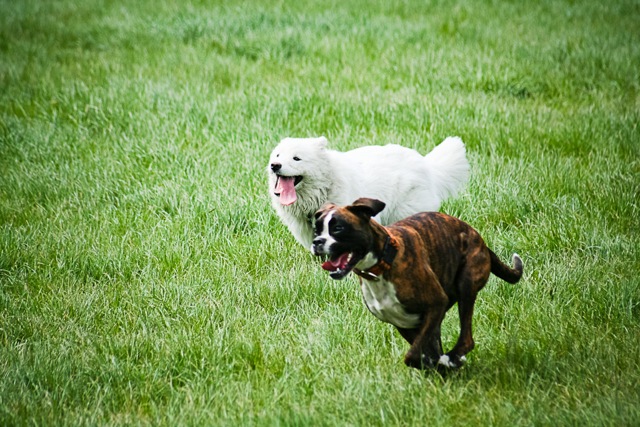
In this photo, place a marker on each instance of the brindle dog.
(412, 272)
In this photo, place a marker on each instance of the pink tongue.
(334, 264)
(286, 188)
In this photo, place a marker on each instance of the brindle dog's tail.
(503, 271)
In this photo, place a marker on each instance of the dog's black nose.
(319, 241)
(276, 166)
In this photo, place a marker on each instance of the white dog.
(304, 175)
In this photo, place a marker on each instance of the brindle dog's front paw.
(421, 361)
(412, 361)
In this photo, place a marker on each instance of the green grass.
(145, 279)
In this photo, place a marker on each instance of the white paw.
(446, 361)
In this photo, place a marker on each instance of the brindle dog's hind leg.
(469, 282)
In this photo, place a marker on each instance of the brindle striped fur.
(441, 261)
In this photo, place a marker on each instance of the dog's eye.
(337, 227)
(296, 158)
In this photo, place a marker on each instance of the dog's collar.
(389, 252)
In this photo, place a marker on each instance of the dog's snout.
(317, 245)
(319, 241)
(276, 166)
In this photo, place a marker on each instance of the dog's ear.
(365, 207)
(321, 141)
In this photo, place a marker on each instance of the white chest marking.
(381, 300)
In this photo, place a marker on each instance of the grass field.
(145, 279)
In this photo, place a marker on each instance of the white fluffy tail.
(449, 166)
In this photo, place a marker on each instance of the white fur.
(445, 361)
(381, 300)
(402, 178)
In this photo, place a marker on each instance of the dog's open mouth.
(285, 188)
(341, 265)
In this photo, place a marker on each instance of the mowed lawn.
(146, 280)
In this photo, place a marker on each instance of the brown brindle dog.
(412, 272)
